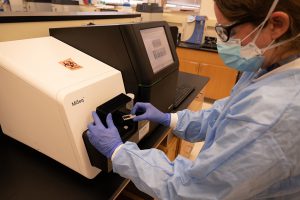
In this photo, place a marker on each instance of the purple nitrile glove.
(150, 113)
(105, 140)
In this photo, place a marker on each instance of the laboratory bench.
(15, 17)
(201, 47)
(28, 174)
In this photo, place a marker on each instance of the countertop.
(9, 17)
(197, 47)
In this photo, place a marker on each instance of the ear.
(278, 24)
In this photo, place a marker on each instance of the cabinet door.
(185, 147)
(196, 104)
(209, 64)
(221, 80)
(188, 66)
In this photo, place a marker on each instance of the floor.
(197, 147)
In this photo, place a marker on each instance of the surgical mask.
(248, 57)
(231, 53)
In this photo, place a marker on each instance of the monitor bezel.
(147, 75)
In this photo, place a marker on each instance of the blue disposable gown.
(251, 150)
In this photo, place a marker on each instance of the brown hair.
(256, 10)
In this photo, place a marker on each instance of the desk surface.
(28, 174)
(196, 47)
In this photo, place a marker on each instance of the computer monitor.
(149, 71)
(157, 48)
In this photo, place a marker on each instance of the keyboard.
(182, 92)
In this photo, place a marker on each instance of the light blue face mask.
(248, 57)
(231, 55)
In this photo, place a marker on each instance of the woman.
(252, 138)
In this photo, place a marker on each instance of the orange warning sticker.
(70, 64)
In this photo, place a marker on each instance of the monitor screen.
(157, 47)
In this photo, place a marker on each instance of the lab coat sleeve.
(193, 126)
(150, 170)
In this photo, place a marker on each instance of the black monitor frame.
(146, 75)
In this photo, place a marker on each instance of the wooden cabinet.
(188, 66)
(185, 148)
(171, 145)
(209, 64)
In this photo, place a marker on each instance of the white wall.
(24, 30)
(207, 9)
(179, 19)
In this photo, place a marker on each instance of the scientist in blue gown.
(252, 137)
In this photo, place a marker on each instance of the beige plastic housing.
(48, 90)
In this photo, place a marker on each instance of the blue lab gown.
(251, 150)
